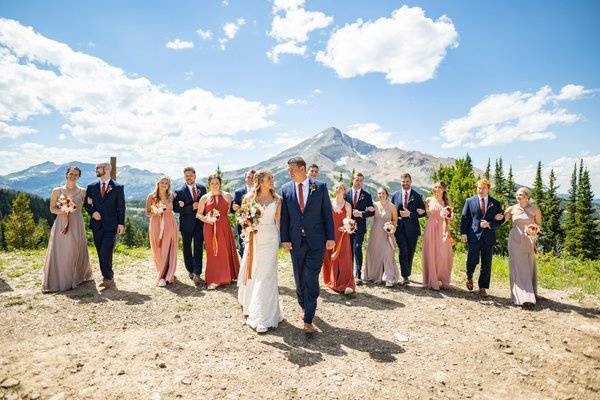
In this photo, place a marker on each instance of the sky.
(162, 85)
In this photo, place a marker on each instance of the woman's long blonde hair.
(258, 177)
(155, 194)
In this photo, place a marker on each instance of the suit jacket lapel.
(186, 192)
(309, 196)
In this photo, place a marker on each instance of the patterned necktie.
(355, 198)
(482, 207)
(405, 199)
(301, 196)
(103, 189)
(194, 193)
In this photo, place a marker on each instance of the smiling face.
(249, 179)
(267, 182)
(341, 190)
(100, 170)
(214, 185)
(382, 195)
(164, 185)
(406, 182)
(72, 175)
(297, 173)
(313, 172)
(482, 189)
(438, 191)
(357, 182)
(190, 177)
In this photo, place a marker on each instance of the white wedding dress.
(259, 296)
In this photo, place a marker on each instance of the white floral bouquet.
(213, 216)
(348, 226)
(158, 207)
(532, 230)
(447, 212)
(389, 228)
(67, 206)
(248, 217)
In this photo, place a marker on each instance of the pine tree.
(586, 226)
(499, 188)
(511, 187)
(351, 182)
(571, 243)
(461, 186)
(42, 233)
(551, 237)
(537, 192)
(2, 240)
(19, 225)
(488, 170)
(130, 235)
(341, 177)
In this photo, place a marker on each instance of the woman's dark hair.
(70, 167)
(214, 176)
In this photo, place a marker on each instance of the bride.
(258, 292)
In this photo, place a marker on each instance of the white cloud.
(230, 30)
(371, 133)
(179, 44)
(188, 75)
(563, 168)
(91, 44)
(285, 48)
(13, 131)
(317, 91)
(508, 117)
(102, 104)
(205, 34)
(291, 26)
(407, 48)
(225, 3)
(292, 102)
(62, 136)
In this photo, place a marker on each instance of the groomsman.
(313, 171)
(360, 201)
(410, 208)
(105, 203)
(481, 215)
(238, 197)
(186, 204)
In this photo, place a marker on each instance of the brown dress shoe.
(309, 329)
(483, 293)
(469, 284)
(106, 283)
(196, 279)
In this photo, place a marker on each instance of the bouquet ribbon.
(250, 258)
(162, 226)
(338, 247)
(65, 228)
(215, 243)
(447, 234)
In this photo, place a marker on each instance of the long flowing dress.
(162, 233)
(222, 262)
(437, 249)
(381, 263)
(337, 274)
(521, 257)
(259, 294)
(67, 259)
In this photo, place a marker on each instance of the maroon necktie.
(482, 207)
(301, 197)
(103, 190)
(355, 198)
(405, 199)
(194, 193)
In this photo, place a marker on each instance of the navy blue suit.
(190, 227)
(307, 231)
(111, 208)
(364, 200)
(480, 241)
(238, 197)
(408, 229)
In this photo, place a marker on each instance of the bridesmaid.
(337, 274)
(222, 262)
(67, 259)
(381, 262)
(162, 231)
(521, 248)
(437, 242)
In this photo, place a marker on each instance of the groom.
(306, 230)
(105, 203)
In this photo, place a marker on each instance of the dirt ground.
(144, 342)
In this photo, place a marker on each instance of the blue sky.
(511, 79)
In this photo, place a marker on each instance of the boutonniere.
(90, 201)
(361, 197)
(108, 189)
(312, 187)
(411, 199)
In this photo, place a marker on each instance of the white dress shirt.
(305, 187)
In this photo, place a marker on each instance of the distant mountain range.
(334, 152)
